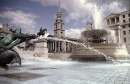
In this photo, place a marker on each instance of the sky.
(31, 15)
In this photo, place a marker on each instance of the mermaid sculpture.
(7, 54)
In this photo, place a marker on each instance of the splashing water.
(97, 17)
(112, 38)
(97, 14)
(81, 44)
(29, 59)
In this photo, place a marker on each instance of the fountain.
(111, 50)
(97, 38)
(96, 35)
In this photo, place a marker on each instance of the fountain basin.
(95, 35)
(113, 50)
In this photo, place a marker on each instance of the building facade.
(59, 32)
(121, 24)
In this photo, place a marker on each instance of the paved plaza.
(46, 71)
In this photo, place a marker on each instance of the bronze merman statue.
(7, 54)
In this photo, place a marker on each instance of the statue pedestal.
(41, 49)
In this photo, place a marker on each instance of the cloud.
(116, 7)
(21, 19)
(74, 32)
(81, 9)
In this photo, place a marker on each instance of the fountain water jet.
(81, 45)
(98, 39)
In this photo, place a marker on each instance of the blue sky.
(30, 15)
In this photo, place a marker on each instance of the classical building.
(59, 32)
(121, 24)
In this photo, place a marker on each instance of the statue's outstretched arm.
(16, 42)
(23, 36)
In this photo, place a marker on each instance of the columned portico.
(59, 31)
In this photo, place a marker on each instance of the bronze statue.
(7, 54)
(41, 32)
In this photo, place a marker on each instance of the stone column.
(119, 35)
(115, 20)
(48, 46)
(64, 46)
(58, 46)
(55, 46)
(52, 46)
(68, 46)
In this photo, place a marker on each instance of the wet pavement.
(46, 71)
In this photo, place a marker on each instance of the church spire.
(59, 24)
(59, 7)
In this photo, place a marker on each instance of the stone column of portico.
(63, 46)
(55, 46)
(48, 46)
(68, 46)
(58, 46)
(115, 20)
(51, 46)
(119, 35)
